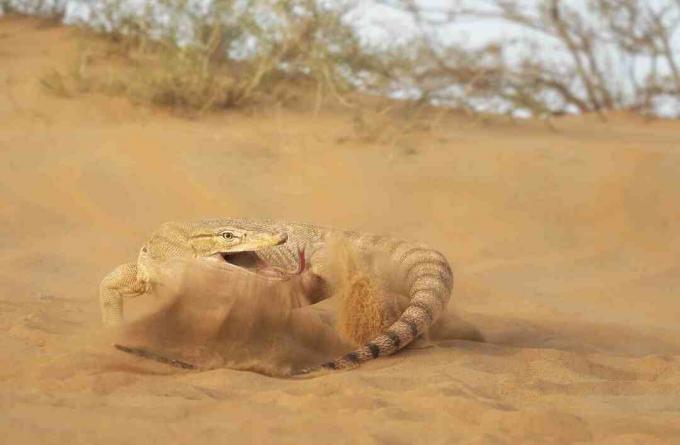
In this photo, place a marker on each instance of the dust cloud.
(211, 317)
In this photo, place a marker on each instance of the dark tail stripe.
(412, 325)
(424, 307)
(421, 254)
(428, 287)
(440, 297)
(375, 349)
(330, 365)
(430, 295)
(412, 251)
(394, 338)
(438, 288)
(352, 357)
(431, 266)
(437, 277)
(426, 257)
(156, 357)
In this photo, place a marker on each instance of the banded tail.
(426, 277)
(145, 353)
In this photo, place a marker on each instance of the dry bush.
(194, 56)
(565, 57)
(590, 56)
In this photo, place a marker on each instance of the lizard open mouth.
(252, 262)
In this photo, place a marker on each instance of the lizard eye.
(227, 235)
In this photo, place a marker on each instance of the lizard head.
(232, 243)
(225, 239)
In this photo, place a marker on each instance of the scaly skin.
(421, 273)
(202, 239)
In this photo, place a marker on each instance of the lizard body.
(274, 248)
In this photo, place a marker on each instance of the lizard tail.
(145, 353)
(426, 276)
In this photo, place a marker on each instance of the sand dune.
(564, 242)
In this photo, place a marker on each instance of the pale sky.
(380, 23)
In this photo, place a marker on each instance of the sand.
(564, 244)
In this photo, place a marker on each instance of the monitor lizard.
(279, 250)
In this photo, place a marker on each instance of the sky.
(379, 23)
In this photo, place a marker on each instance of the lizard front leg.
(121, 283)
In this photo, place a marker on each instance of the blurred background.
(522, 58)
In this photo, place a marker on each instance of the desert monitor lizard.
(278, 248)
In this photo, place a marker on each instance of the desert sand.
(565, 243)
